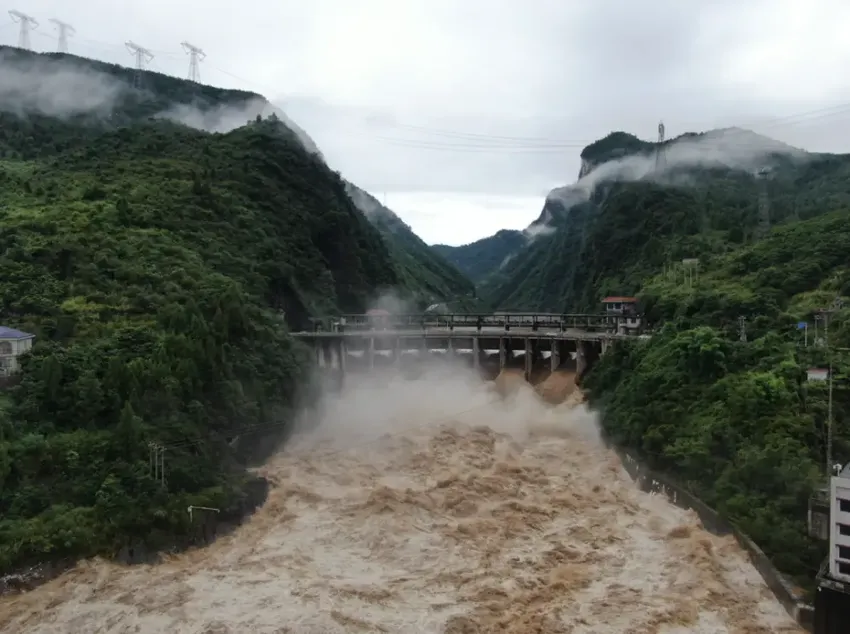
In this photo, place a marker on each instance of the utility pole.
(142, 56)
(196, 55)
(742, 328)
(27, 23)
(763, 226)
(153, 463)
(836, 305)
(660, 159)
(690, 268)
(804, 326)
(65, 30)
(157, 462)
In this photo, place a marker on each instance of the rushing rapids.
(435, 505)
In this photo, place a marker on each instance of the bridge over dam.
(488, 343)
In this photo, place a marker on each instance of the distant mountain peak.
(615, 144)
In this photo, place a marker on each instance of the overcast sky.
(462, 114)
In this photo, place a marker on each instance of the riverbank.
(404, 512)
(207, 527)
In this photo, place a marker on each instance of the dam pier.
(485, 343)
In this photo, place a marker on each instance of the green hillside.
(627, 231)
(734, 420)
(161, 269)
(428, 277)
(482, 258)
(738, 421)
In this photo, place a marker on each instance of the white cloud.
(457, 218)
(567, 72)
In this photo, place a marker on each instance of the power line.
(526, 143)
(837, 305)
(196, 55)
(523, 142)
(480, 141)
(457, 141)
(65, 30)
(493, 144)
(27, 23)
(142, 56)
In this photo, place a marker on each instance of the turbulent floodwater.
(433, 506)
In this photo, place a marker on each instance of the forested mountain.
(626, 220)
(160, 268)
(482, 258)
(738, 421)
(102, 96)
(423, 270)
(735, 420)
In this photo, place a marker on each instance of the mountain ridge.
(112, 102)
(161, 268)
(608, 165)
(718, 396)
(438, 281)
(482, 258)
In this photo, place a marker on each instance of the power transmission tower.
(690, 268)
(65, 30)
(196, 55)
(763, 226)
(660, 159)
(27, 23)
(143, 56)
(157, 462)
(742, 328)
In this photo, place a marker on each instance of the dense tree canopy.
(161, 269)
(482, 258)
(422, 270)
(736, 421)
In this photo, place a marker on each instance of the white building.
(624, 309)
(13, 343)
(839, 536)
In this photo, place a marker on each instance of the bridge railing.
(534, 321)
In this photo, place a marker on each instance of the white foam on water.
(438, 506)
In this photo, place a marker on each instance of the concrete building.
(829, 520)
(13, 343)
(839, 537)
(626, 309)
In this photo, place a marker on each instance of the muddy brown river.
(434, 505)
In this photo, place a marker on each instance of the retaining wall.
(652, 482)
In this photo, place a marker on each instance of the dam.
(440, 505)
(489, 343)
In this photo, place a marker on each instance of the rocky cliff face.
(578, 250)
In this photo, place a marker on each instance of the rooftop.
(616, 299)
(11, 333)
